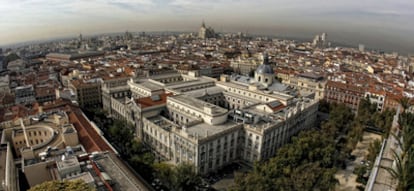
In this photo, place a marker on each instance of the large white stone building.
(211, 123)
(310, 84)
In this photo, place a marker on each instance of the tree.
(405, 103)
(77, 185)
(305, 164)
(404, 160)
(180, 178)
(122, 135)
(185, 178)
(323, 106)
(402, 172)
(373, 150)
(165, 172)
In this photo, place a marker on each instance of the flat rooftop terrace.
(204, 130)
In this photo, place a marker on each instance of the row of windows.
(140, 91)
(246, 93)
(35, 133)
(157, 135)
(196, 87)
(168, 80)
(223, 159)
(187, 110)
(34, 141)
(117, 83)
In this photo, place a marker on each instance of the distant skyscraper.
(128, 36)
(361, 47)
(324, 36)
(320, 41)
(206, 32)
(80, 41)
(315, 41)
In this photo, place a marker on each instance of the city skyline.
(377, 24)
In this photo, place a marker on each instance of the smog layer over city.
(220, 95)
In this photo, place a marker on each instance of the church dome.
(264, 69)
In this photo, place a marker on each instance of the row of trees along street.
(311, 159)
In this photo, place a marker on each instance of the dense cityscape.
(204, 111)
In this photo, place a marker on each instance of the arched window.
(260, 78)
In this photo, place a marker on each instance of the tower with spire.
(202, 31)
(80, 39)
(203, 24)
(206, 32)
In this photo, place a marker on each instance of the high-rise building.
(206, 32)
(323, 37)
(361, 47)
(320, 41)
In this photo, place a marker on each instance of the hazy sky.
(376, 23)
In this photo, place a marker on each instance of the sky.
(382, 24)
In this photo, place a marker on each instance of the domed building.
(264, 73)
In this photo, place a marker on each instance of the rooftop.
(153, 100)
(88, 136)
(311, 75)
(197, 104)
(205, 91)
(204, 130)
(125, 179)
(148, 85)
(162, 122)
(345, 86)
(68, 162)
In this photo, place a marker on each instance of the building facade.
(348, 94)
(114, 87)
(25, 94)
(211, 123)
(306, 83)
(88, 93)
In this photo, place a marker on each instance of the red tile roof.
(345, 87)
(88, 136)
(148, 101)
